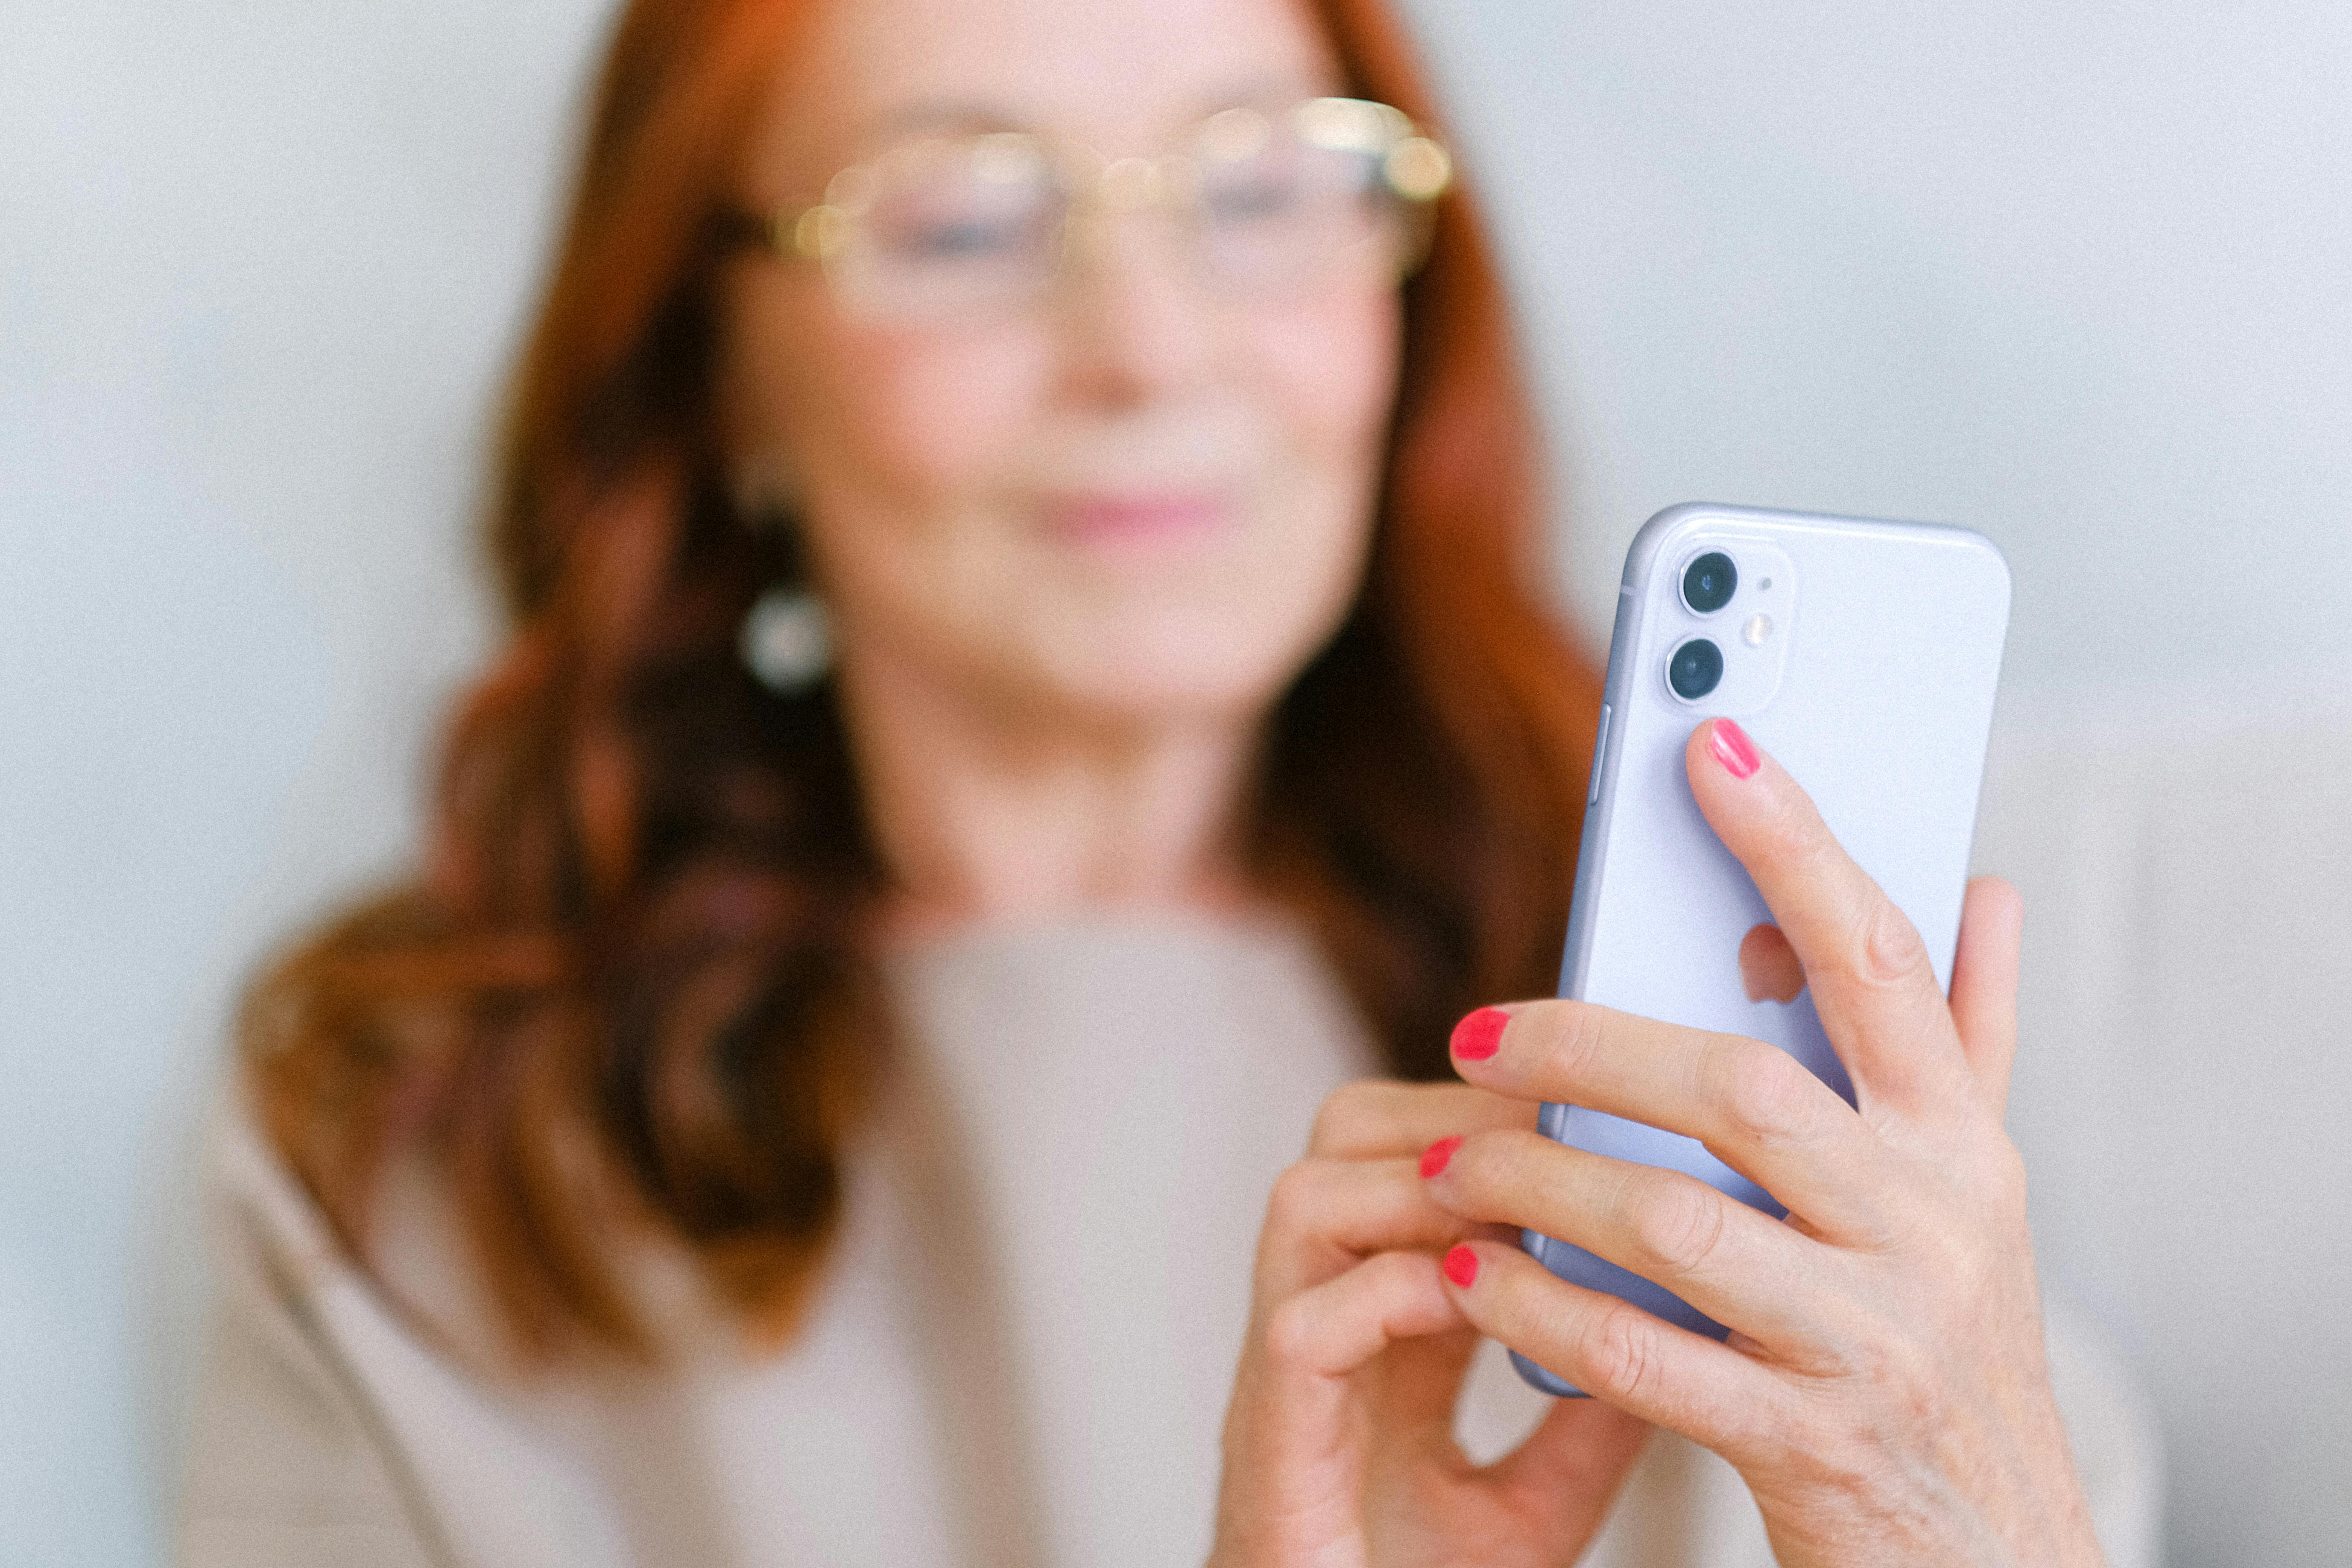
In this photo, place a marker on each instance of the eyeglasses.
(982, 225)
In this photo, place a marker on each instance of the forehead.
(1119, 75)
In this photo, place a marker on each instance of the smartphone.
(1863, 656)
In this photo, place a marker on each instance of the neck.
(981, 818)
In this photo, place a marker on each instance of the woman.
(823, 1116)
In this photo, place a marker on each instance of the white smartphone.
(1863, 656)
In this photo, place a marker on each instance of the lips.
(1114, 518)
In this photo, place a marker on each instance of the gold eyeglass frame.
(1416, 170)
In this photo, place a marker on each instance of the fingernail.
(1480, 1035)
(1462, 1267)
(1731, 747)
(1434, 1158)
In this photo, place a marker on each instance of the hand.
(1883, 1392)
(1340, 1449)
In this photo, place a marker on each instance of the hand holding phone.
(1864, 655)
(1887, 1399)
(1885, 1396)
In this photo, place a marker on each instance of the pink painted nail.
(1729, 745)
(1480, 1035)
(1462, 1267)
(1434, 1158)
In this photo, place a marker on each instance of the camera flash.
(1757, 628)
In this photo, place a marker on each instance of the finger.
(1754, 1106)
(1711, 1393)
(1380, 1119)
(1325, 1215)
(1870, 974)
(1770, 1282)
(1569, 1469)
(1334, 1329)
(1293, 1475)
(1984, 983)
(1421, 1384)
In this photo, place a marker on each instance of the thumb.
(1570, 1467)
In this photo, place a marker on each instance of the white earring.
(787, 640)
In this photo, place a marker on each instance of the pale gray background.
(2077, 276)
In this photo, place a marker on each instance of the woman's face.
(1135, 501)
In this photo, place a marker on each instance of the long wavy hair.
(625, 986)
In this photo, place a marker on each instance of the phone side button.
(1600, 752)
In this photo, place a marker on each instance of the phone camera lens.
(1695, 669)
(1708, 581)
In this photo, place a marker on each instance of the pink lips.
(1117, 520)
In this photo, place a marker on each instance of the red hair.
(623, 989)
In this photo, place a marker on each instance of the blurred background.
(2079, 275)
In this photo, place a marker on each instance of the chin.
(1197, 667)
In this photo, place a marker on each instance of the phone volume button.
(1600, 753)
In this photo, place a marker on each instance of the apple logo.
(1768, 966)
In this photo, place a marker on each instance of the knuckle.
(1908, 1394)
(1767, 1095)
(1971, 1259)
(1956, 1260)
(1891, 946)
(1290, 1336)
(1621, 1353)
(1576, 1038)
(1346, 1113)
(2005, 1180)
(1678, 1223)
(1918, 1233)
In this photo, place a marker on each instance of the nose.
(1137, 324)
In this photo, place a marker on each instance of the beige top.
(1020, 1353)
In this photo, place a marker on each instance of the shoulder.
(288, 1459)
(361, 1414)
(274, 1246)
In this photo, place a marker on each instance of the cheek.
(898, 444)
(889, 422)
(1327, 375)
(1325, 379)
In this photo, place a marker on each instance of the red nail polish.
(1434, 1158)
(1730, 746)
(1462, 1267)
(1480, 1035)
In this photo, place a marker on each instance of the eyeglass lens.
(957, 227)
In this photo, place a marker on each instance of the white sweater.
(1020, 1352)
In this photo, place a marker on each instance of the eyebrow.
(938, 114)
(974, 114)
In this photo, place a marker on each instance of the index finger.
(1753, 1106)
(1872, 980)
(1382, 1118)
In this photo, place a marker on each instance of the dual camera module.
(1695, 667)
